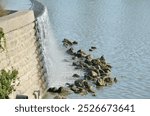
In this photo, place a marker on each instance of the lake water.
(120, 29)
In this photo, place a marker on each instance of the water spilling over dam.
(58, 71)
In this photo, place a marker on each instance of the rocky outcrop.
(97, 72)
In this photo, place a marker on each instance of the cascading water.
(58, 71)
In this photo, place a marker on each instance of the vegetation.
(6, 80)
(2, 39)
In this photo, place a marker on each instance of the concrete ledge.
(16, 20)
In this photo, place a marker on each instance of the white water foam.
(59, 72)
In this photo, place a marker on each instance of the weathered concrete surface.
(22, 53)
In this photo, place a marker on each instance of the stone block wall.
(23, 53)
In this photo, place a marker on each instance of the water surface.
(120, 29)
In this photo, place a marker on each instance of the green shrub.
(6, 79)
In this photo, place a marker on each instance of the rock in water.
(67, 42)
(92, 47)
(76, 75)
(74, 42)
(90, 50)
(93, 73)
(59, 97)
(115, 80)
(70, 51)
(100, 82)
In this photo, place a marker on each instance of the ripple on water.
(120, 31)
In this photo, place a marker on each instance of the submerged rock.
(70, 51)
(80, 53)
(90, 50)
(93, 47)
(93, 73)
(76, 75)
(108, 79)
(57, 90)
(88, 87)
(74, 42)
(115, 80)
(78, 82)
(100, 82)
(59, 97)
(52, 89)
(97, 71)
(67, 42)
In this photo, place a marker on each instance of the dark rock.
(106, 70)
(88, 77)
(74, 58)
(79, 67)
(69, 85)
(92, 47)
(76, 89)
(87, 61)
(67, 42)
(81, 53)
(88, 87)
(100, 82)
(93, 73)
(78, 82)
(52, 89)
(75, 63)
(74, 42)
(59, 97)
(70, 51)
(90, 90)
(59, 90)
(76, 75)
(85, 84)
(90, 50)
(82, 64)
(102, 59)
(55, 90)
(95, 62)
(109, 66)
(115, 80)
(107, 79)
(88, 57)
(97, 71)
(93, 94)
(101, 71)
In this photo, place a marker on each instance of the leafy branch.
(6, 80)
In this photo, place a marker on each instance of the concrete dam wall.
(24, 52)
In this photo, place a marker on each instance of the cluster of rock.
(97, 72)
